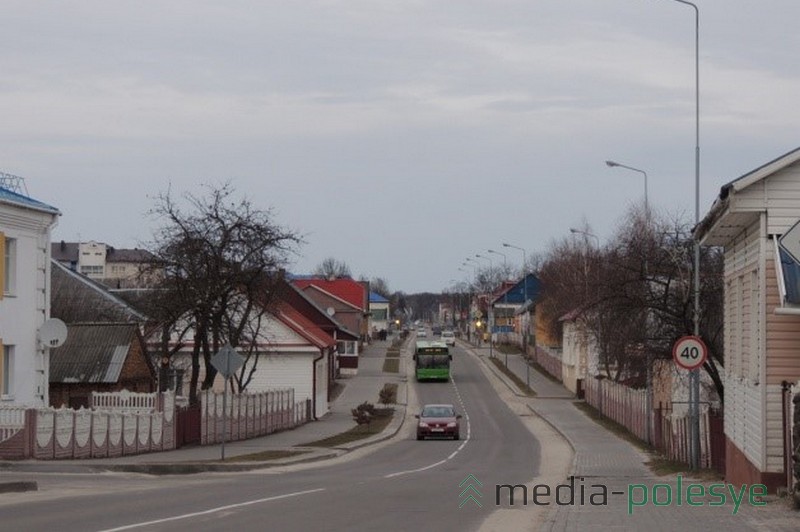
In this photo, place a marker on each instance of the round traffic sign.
(689, 352)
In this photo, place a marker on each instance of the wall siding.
(743, 418)
(783, 335)
(285, 371)
(744, 422)
(774, 428)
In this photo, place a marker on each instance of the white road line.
(212, 510)
(453, 454)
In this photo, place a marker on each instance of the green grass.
(383, 416)
(265, 456)
(508, 349)
(611, 425)
(663, 466)
(511, 375)
(391, 365)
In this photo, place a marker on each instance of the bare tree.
(635, 295)
(332, 268)
(221, 261)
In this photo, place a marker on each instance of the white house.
(25, 229)
(762, 315)
(290, 351)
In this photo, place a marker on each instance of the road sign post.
(226, 361)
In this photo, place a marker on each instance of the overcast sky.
(398, 136)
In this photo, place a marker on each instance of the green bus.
(432, 361)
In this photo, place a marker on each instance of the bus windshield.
(432, 361)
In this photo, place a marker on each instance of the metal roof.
(93, 352)
(13, 198)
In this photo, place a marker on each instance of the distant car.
(437, 331)
(438, 421)
(449, 337)
(422, 333)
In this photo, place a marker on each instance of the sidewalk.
(601, 458)
(359, 388)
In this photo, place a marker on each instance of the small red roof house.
(347, 301)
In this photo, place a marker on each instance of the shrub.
(388, 395)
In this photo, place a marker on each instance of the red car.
(438, 421)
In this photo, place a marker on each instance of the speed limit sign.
(689, 352)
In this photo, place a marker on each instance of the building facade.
(25, 230)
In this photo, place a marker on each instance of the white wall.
(23, 312)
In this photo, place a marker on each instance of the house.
(294, 347)
(511, 309)
(117, 268)
(347, 301)
(378, 314)
(761, 313)
(579, 358)
(99, 357)
(25, 229)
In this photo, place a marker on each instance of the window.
(345, 348)
(791, 278)
(6, 369)
(379, 314)
(9, 265)
(92, 270)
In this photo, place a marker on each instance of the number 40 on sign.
(689, 352)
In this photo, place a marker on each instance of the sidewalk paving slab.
(602, 458)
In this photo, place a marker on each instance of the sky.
(397, 136)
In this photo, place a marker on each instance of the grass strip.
(381, 420)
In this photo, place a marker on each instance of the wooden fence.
(547, 361)
(670, 434)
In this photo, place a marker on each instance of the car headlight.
(452, 424)
(423, 425)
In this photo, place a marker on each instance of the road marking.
(453, 454)
(212, 510)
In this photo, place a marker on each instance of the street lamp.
(489, 310)
(501, 254)
(525, 288)
(649, 369)
(612, 164)
(586, 233)
(694, 375)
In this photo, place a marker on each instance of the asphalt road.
(405, 485)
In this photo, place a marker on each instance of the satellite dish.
(331, 311)
(53, 333)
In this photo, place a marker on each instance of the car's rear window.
(437, 411)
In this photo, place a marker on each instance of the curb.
(191, 468)
(18, 487)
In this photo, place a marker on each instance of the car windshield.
(437, 411)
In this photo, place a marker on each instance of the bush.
(363, 413)
(388, 395)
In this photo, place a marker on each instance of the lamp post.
(490, 311)
(694, 375)
(524, 302)
(649, 369)
(613, 164)
(498, 253)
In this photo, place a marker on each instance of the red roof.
(353, 292)
(303, 326)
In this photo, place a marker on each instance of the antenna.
(13, 183)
